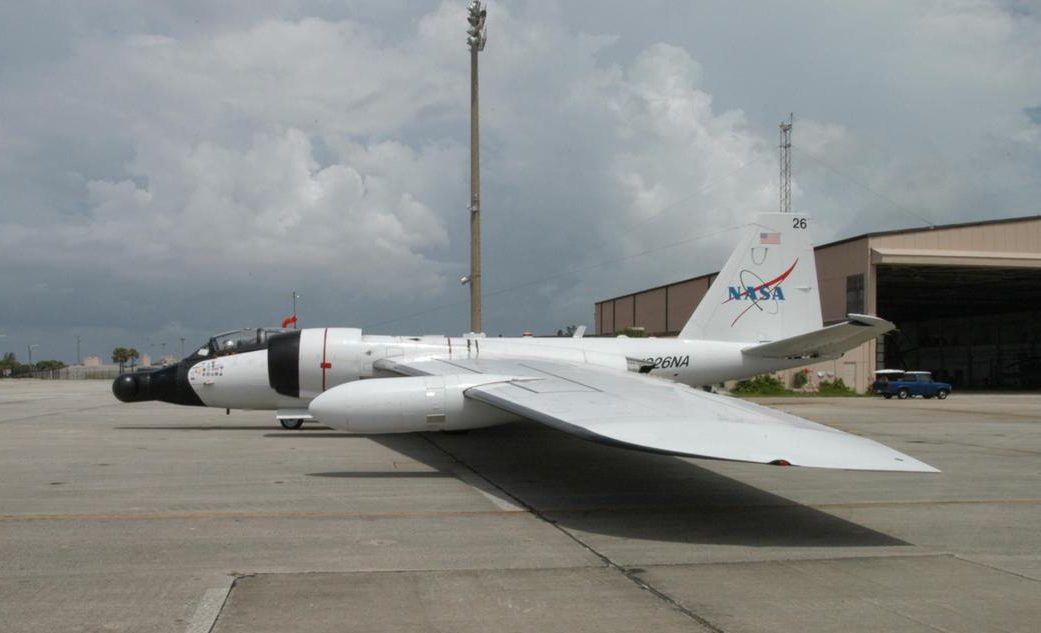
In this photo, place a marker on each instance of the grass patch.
(836, 387)
(765, 385)
(769, 385)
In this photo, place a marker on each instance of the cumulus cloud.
(208, 208)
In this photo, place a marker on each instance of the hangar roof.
(935, 227)
(847, 240)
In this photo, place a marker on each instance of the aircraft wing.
(640, 412)
(828, 342)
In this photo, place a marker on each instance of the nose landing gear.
(291, 424)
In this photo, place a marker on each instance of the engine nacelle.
(304, 363)
(405, 405)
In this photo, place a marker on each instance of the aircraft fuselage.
(296, 367)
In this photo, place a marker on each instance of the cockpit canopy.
(238, 341)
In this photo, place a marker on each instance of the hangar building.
(966, 299)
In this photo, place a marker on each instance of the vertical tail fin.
(767, 290)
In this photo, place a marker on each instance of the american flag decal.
(770, 238)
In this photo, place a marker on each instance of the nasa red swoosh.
(755, 304)
(775, 280)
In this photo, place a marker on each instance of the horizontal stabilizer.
(828, 342)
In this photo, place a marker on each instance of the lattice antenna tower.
(786, 163)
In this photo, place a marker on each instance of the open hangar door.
(975, 327)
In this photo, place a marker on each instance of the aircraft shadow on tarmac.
(617, 492)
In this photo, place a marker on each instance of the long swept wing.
(828, 342)
(645, 413)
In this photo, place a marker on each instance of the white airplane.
(761, 314)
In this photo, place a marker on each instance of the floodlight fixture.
(476, 34)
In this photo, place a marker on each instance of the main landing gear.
(291, 424)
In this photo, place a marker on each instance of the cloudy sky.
(170, 170)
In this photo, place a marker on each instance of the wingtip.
(895, 463)
(926, 468)
(909, 464)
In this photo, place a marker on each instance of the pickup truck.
(904, 384)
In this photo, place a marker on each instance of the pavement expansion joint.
(772, 557)
(630, 574)
(208, 515)
(995, 568)
(210, 607)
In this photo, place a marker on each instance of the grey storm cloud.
(1034, 114)
(173, 169)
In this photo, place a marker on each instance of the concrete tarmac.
(153, 517)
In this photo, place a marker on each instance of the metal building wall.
(663, 311)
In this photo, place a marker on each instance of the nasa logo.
(756, 295)
(762, 293)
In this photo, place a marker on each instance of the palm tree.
(120, 355)
(133, 355)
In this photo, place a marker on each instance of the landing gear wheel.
(942, 394)
(291, 424)
(903, 394)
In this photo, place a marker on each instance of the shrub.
(764, 385)
(633, 332)
(835, 388)
(799, 380)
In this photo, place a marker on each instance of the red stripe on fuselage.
(325, 365)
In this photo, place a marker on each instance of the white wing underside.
(640, 412)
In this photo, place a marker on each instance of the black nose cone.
(131, 388)
(169, 384)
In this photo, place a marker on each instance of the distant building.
(966, 299)
(92, 361)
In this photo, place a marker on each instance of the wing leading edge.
(644, 413)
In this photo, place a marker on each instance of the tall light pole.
(476, 37)
(79, 360)
(786, 164)
(29, 348)
(295, 297)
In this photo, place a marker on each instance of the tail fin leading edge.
(767, 291)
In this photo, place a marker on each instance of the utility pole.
(29, 348)
(79, 359)
(476, 38)
(786, 164)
